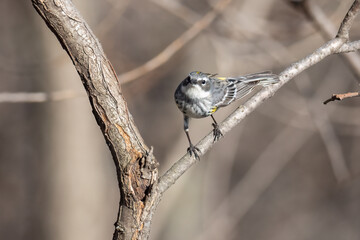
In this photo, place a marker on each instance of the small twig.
(341, 96)
(176, 45)
(26, 97)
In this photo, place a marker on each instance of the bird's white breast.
(196, 91)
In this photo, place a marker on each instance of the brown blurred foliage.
(289, 171)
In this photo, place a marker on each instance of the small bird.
(201, 94)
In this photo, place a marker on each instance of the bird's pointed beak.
(193, 81)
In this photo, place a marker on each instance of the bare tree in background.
(137, 169)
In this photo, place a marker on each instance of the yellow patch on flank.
(213, 110)
(221, 78)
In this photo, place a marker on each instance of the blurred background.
(289, 171)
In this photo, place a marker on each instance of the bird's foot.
(217, 132)
(194, 150)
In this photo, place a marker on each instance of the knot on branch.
(149, 166)
(141, 175)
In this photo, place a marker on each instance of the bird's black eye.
(203, 82)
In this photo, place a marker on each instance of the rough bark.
(136, 167)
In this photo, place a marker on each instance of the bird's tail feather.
(245, 84)
(261, 78)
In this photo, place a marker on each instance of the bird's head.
(196, 84)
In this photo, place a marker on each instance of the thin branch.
(176, 45)
(331, 47)
(341, 96)
(348, 20)
(26, 97)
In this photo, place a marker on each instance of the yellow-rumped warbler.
(200, 95)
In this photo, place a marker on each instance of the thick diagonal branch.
(129, 152)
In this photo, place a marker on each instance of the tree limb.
(136, 167)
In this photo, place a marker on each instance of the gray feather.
(239, 87)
